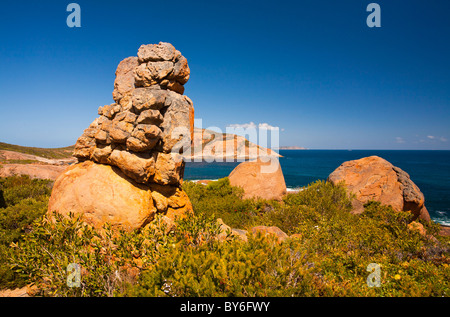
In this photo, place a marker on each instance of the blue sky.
(312, 68)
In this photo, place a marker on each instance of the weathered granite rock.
(145, 131)
(226, 231)
(161, 64)
(374, 178)
(101, 193)
(124, 83)
(418, 227)
(273, 231)
(147, 118)
(260, 179)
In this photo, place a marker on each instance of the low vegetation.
(19, 161)
(22, 201)
(328, 253)
(49, 153)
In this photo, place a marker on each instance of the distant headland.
(291, 148)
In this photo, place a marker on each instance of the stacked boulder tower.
(141, 137)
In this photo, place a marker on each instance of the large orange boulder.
(260, 178)
(102, 193)
(374, 178)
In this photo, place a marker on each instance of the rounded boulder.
(260, 179)
(102, 194)
(374, 178)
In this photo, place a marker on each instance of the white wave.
(295, 189)
(442, 217)
(443, 222)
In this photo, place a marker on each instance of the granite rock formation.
(145, 131)
(374, 178)
(261, 178)
(221, 147)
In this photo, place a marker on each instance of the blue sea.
(429, 170)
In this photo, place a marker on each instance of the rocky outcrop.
(39, 171)
(211, 145)
(273, 231)
(292, 148)
(226, 231)
(149, 118)
(9, 156)
(15, 163)
(374, 178)
(261, 178)
(143, 133)
(18, 292)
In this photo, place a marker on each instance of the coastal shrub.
(194, 231)
(319, 202)
(260, 267)
(2, 199)
(340, 245)
(22, 200)
(343, 248)
(17, 188)
(322, 196)
(108, 257)
(330, 259)
(328, 256)
(16, 220)
(221, 200)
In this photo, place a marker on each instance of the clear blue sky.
(312, 68)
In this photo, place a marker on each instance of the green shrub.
(17, 188)
(221, 200)
(320, 202)
(320, 199)
(105, 255)
(22, 200)
(260, 267)
(323, 197)
(2, 198)
(197, 230)
(16, 220)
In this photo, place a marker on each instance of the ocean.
(429, 170)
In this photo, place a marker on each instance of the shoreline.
(445, 230)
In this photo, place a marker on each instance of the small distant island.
(291, 148)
